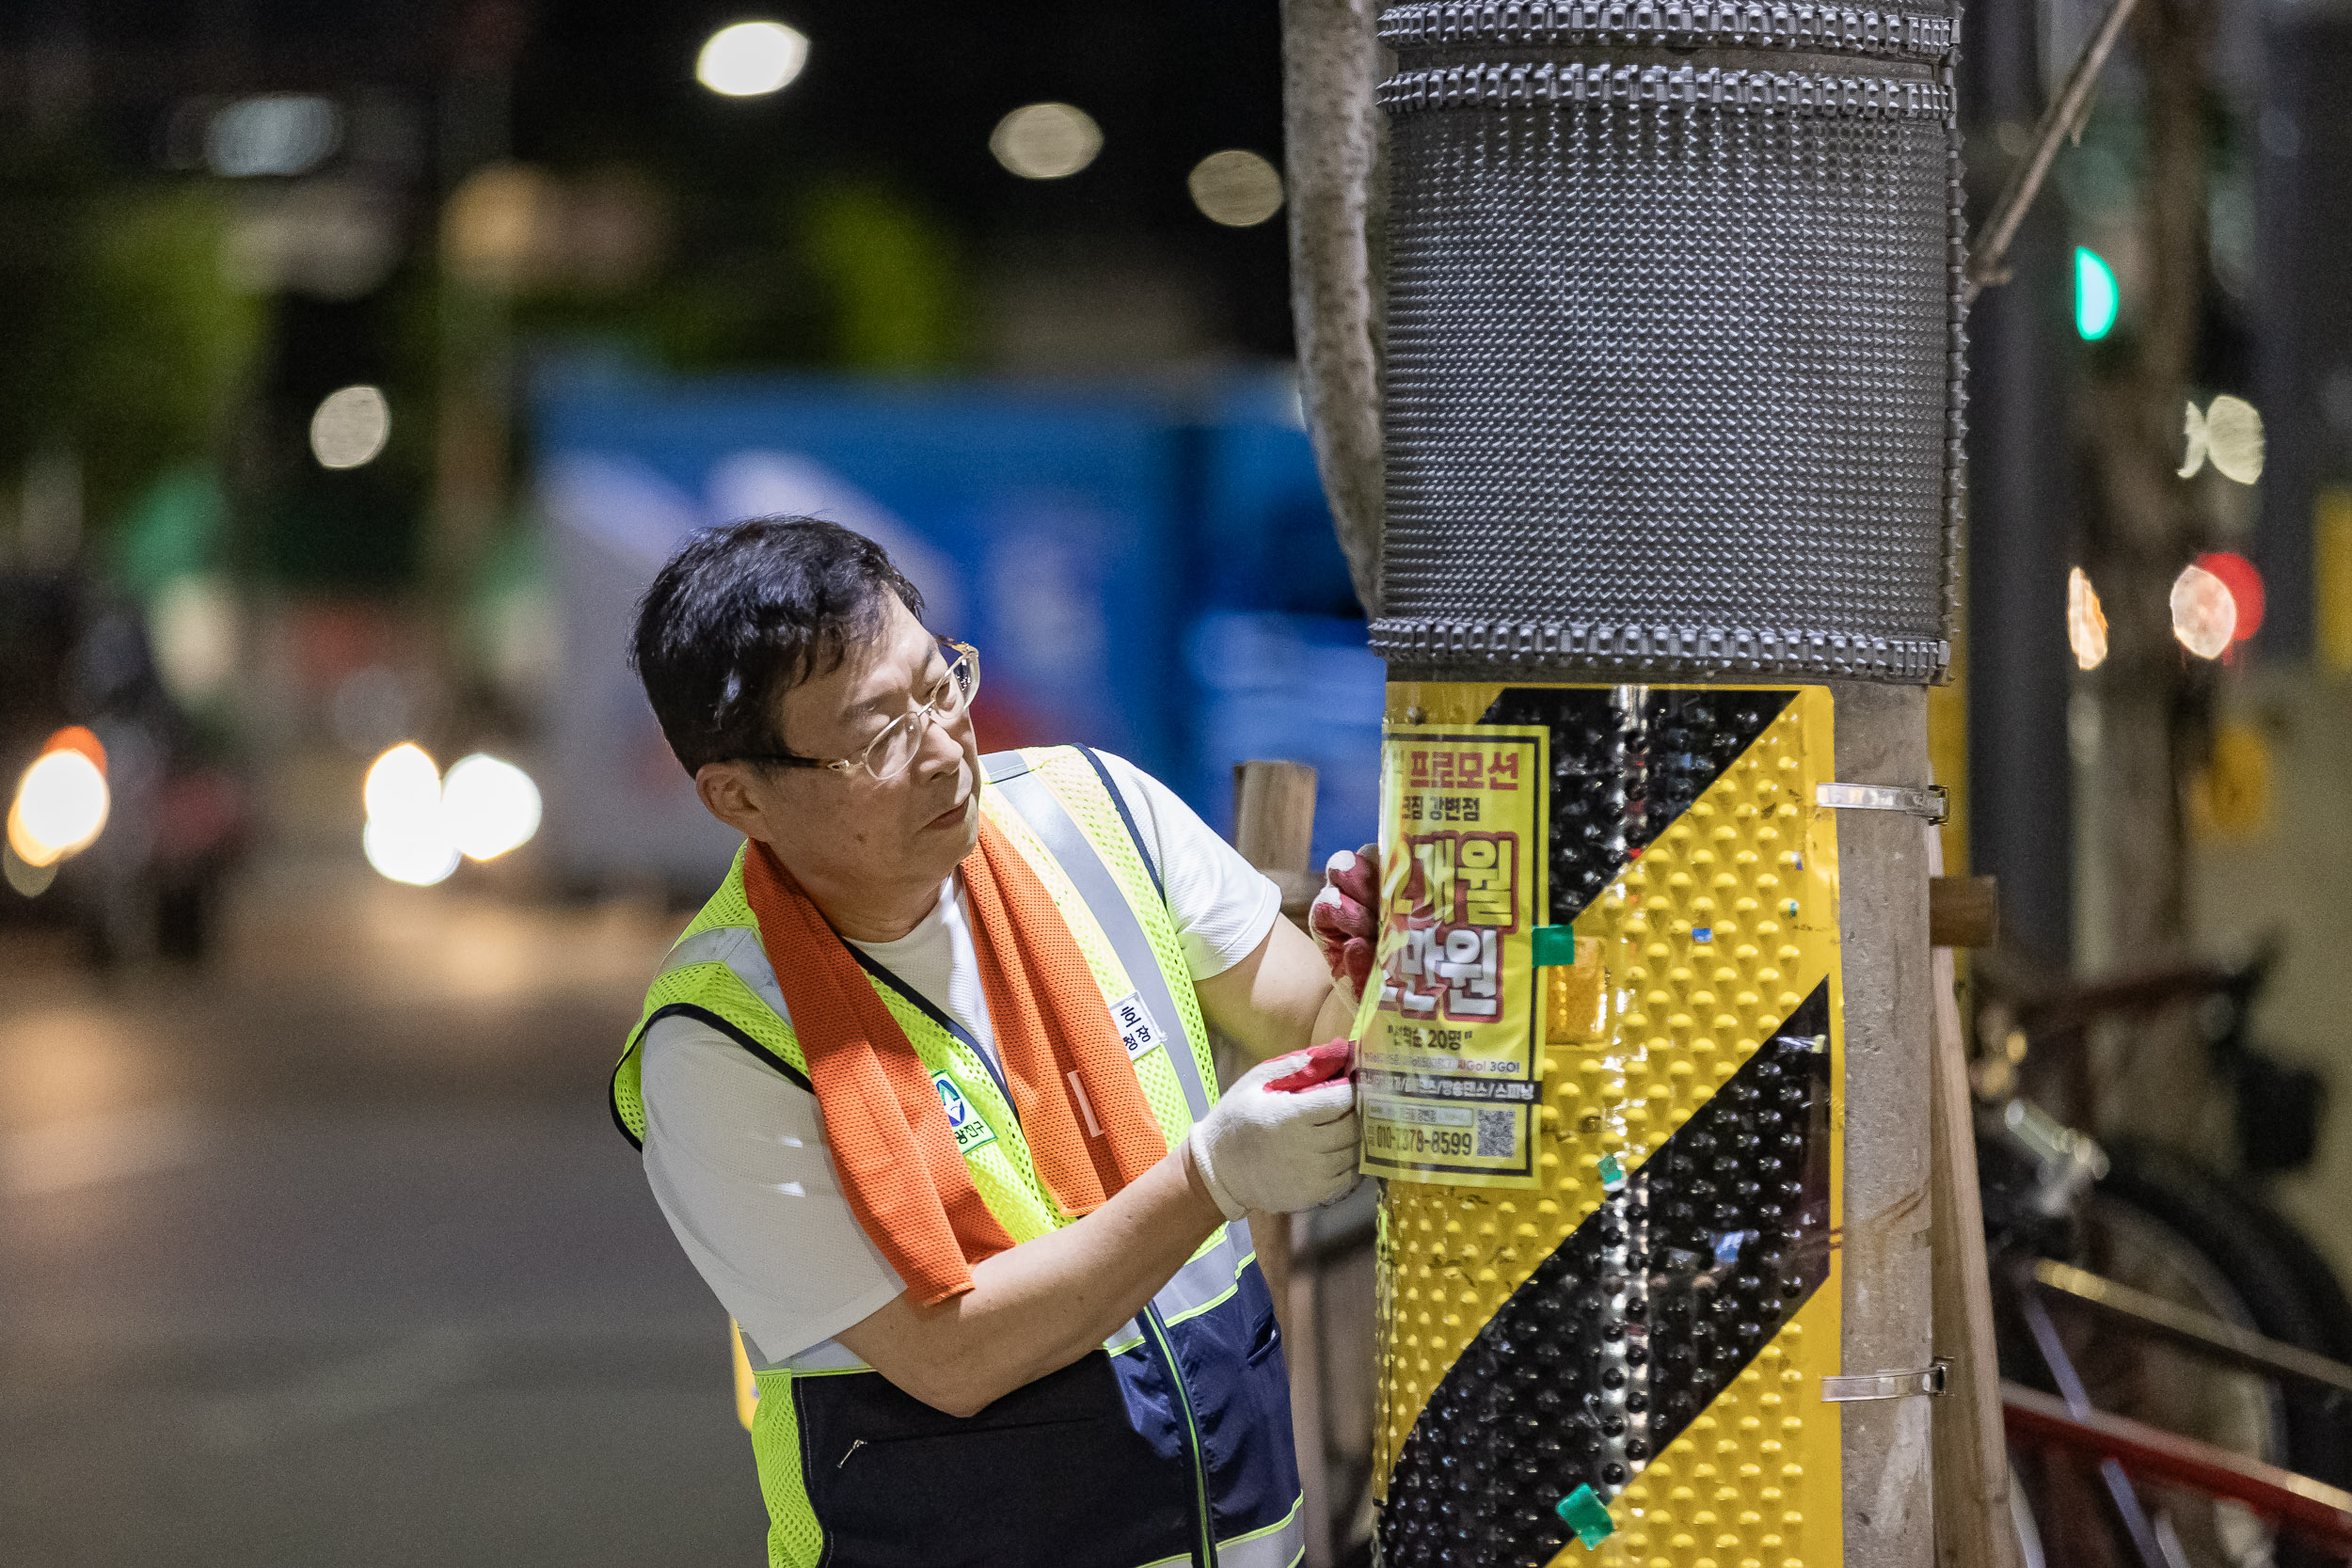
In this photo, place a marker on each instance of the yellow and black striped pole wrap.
(1639, 1330)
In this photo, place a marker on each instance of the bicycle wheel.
(2288, 1291)
(2159, 1224)
(2325, 1303)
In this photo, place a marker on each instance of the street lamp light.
(751, 58)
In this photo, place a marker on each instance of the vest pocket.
(1064, 1472)
(1267, 1335)
(1241, 1386)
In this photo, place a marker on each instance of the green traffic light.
(2095, 299)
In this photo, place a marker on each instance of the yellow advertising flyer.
(1450, 1068)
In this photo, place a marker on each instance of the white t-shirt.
(937, 958)
(736, 1152)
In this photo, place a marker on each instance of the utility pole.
(1662, 305)
(2155, 706)
(2021, 512)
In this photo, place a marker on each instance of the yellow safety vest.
(1170, 1445)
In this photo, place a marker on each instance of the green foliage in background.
(843, 272)
(890, 274)
(125, 343)
(166, 340)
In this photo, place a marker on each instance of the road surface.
(330, 1253)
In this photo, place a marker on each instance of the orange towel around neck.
(900, 1167)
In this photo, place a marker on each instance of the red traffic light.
(2244, 584)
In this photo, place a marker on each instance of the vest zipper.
(1192, 1432)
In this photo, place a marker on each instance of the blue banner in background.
(1151, 575)
(1296, 687)
(1276, 644)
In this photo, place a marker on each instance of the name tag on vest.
(1139, 1031)
(970, 1127)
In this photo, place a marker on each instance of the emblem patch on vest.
(970, 1128)
(1139, 1031)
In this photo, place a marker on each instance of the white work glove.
(1277, 1150)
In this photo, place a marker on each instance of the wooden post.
(1964, 911)
(1274, 828)
(1973, 1528)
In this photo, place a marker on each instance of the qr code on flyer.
(1496, 1136)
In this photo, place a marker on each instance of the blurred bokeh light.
(488, 806)
(2086, 622)
(29, 881)
(406, 838)
(2205, 615)
(2229, 431)
(192, 624)
(350, 427)
(2245, 583)
(61, 802)
(1046, 141)
(751, 58)
(276, 134)
(404, 784)
(421, 824)
(416, 851)
(2096, 298)
(1236, 188)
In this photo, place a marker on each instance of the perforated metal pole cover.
(1673, 384)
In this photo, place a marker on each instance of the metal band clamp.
(1934, 802)
(1885, 1385)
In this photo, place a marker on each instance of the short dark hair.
(745, 611)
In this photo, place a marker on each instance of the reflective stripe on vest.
(1275, 1546)
(1082, 864)
(739, 947)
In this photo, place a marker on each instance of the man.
(925, 1092)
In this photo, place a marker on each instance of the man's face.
(848, 832)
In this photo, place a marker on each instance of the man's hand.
(1342, 916)
(1277, 1150)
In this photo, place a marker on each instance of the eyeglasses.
(891, 752)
